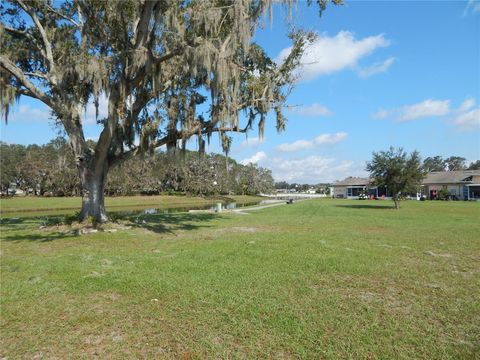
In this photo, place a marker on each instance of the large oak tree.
(155, 61)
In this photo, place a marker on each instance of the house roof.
(435, 177)
(352, 181)
(450, 177)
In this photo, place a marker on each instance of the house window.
(355, 191)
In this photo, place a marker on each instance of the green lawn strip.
(317, 279)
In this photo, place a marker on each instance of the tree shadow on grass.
(170, 223)
(366, 206)
(39, 237)
(157, 223)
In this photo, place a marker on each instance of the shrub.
(443, 194)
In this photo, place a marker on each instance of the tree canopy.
(397, 170)
(474, 165)
(438, 163)
(155, 61)
(435, 163)
(455, 163)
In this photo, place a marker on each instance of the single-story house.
(461, 185)
(353, 187)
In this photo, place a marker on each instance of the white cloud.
(28, 113)
(311, 170)
(259, 156)
(467, 121)
(330, 139)
(381, 114)
(253, 142)
(467, 117)
(296, 146)
(324, 139)
(331, 54)
(467, 104)
(376, 68)
(427, 108)
(313, 110)
(471, 7)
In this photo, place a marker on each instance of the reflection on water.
(153, 211)
(230, 206)
(150, 211)
(46, 214)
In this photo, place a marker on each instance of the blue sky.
(380, 74)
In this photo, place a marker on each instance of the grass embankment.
(317, 279)
(23, 205)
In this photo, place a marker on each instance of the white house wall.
(453, 189)
(340, 190)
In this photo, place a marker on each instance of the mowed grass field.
(319, 279)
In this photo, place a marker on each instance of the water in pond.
(45, 214)
(153, 211)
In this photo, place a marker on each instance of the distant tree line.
(452, 163)
(50, 170)
(44, 169)
(321, 188)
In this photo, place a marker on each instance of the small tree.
(396, 170)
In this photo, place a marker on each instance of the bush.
(443, 194)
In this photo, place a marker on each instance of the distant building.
(461, 185)
(354, 187)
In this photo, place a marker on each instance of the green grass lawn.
(319, 279)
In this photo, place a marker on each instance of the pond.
(166, 210)
(129, 211)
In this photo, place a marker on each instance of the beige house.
(461, 185)
(354, 187)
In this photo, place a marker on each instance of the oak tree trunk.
(93, 199)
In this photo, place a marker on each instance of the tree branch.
(27, 35)
(25, 92)
(62, 15)
(36, 74)
(168, 56)
(15, 31)
(135, 152)
(35, 92)
(179, 135)
(43, 34)
(141, 32)
(71, 125)
(226, 129)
